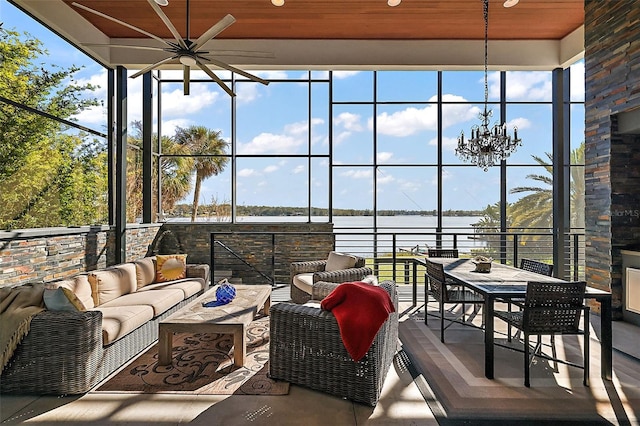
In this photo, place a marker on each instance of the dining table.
(505, 282)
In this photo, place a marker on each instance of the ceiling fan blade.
(215, 78)
(163, 49)
(220, 26)
(168, 23)
(150, 67)
(243, 53)
(141, 31)
(186, 79)
(236, 70)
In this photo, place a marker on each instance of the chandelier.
(487, 146)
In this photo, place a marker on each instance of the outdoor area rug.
(203, 364)
(454, 373)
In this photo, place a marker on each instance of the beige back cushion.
(145, 271)
(338, 261)
(79, 285)
(113, 282)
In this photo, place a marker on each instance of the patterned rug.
(203, 364)
(454, 372)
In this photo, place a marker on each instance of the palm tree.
(535, 210)
(210, 160)
(175, 172)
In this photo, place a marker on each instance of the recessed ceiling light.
(393, 3)
(510, 3)
(277, 2)
(162, 2)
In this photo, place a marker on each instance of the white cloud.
(447, 143)
(175, 103)
(520, 123)
(298, 170)
(341, 137)
(246, 172)
(385, 179)
(357, 174)
(383, 157)
(577, 81)
(270, 169)
(522, 85)
(169, 126)
(413, 120)
(247, 93)
(349, 121)
(344, 74)
(270, 143)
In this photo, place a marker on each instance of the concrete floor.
(401, 403)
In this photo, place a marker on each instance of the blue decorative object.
(225, 292)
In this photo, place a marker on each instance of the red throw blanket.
(360, 310)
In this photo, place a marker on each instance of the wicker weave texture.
(319, 274)
(450, 253)
(306, 349)
(537, 267)
(63, 354)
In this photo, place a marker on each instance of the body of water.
(409, 234)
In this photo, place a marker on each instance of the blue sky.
(273, 120)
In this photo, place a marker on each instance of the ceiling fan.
(183, 50)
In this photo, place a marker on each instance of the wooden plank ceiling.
(345, 20)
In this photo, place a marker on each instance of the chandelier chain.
(485, 10)
(487, 145)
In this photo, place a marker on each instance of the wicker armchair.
(317, 268)
(306, 349)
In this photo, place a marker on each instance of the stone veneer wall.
(612, 172)
(39, 255)
(253, 242)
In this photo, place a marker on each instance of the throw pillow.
(338, 261)
(62, 299)
(370, 279)
(171, 267)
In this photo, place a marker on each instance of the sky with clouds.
(274, 120)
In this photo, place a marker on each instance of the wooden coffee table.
(231, 318)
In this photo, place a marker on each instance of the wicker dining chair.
(446, 291)
(549, 309)
(450, 253)
(538, 267)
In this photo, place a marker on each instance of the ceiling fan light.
(277, 2)
(162, 2)
(393, 3)
(510, 3)
(188, 60)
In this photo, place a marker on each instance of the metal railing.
(390, 254)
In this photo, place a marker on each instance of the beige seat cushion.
(108, 284)
(189, 286)
(338, 261)
(304, 281)
(118, 321)
(159, 300)
(145, 271)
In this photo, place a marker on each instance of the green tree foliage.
(175, 170)
(48, 177)
(535, 210)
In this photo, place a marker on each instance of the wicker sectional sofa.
(69, 352)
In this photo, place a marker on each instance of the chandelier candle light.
(486, 147)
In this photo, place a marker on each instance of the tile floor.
(401, 403)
